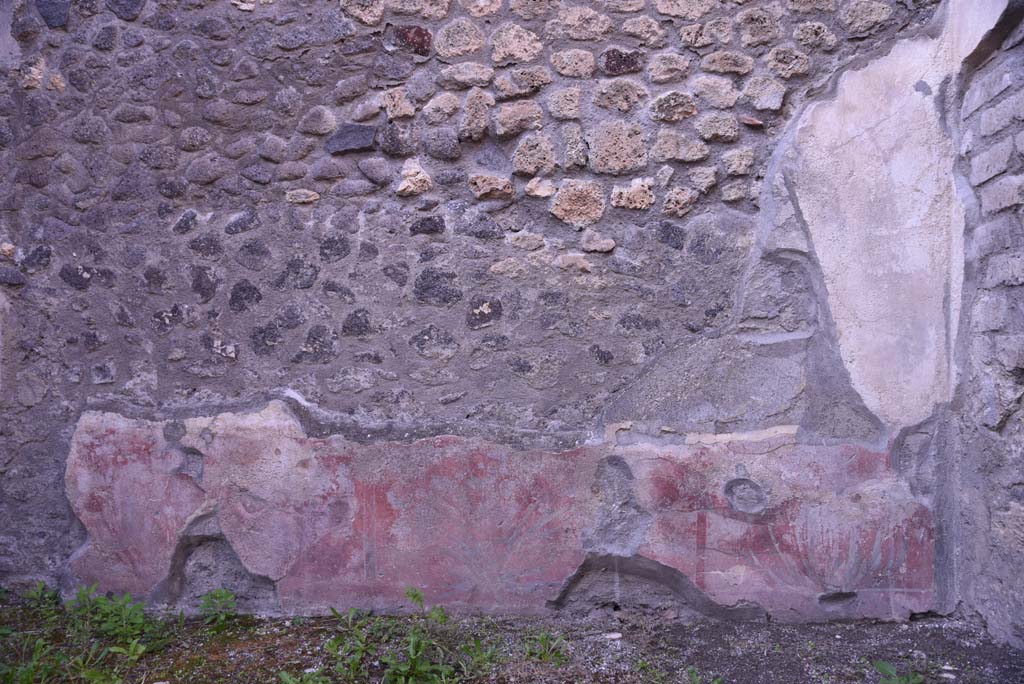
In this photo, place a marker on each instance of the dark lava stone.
(297, 274)
(319, 346)
(637, 322)
(78, 277)
(395, 140)
(429, 225)
(11, 276)
(434, 286)
(332, 287)
(603, 357)
(264, 338)
(442, 143)
(350, 138)
(164, 321)
(478, 224)
(415, 39)
(334, 248)
(672, 234)
(186, 222)
(155, 278)
(290, 317)
(126, 10)
(253, 255)
(432, 341)
(54, 12)
(244, 223)
(204, 283)
(172, 188)
(357, 324)
(368, 251)
(496, 342)
(617, 61)
(243, 295)
(38, 259)
(206, 245)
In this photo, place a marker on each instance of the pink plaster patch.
(806, 532)
(124, 485)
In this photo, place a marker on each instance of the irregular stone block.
(686, 9)
(351, 138)
(578, 203)
(617, 147)
(574, 63)
(513, 44)
(54, 12)
(126, 10)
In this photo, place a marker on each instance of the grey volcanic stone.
(126, 10)
(54, 12)
(429, 225)
(11, 276)
(351, 138)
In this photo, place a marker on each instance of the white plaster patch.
(873, 173)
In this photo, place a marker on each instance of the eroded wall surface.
(320, 301)
(988, 438)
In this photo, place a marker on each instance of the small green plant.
(477, 657)
(39, 665)
(693, 676)
(119, 619)
(311, 677)
(891, 676)
(353, 650)
(217, 608)
(353, 619)
(653, 674)
(45, 601)
(546, 648)
(416, 596)
(132, 652)
(423, 663)
(101, 677)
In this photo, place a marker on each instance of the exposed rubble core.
(321, 300)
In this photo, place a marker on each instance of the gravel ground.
(603, 647)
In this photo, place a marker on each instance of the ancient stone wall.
(498, 299)
(990, 433)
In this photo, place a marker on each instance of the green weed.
(695, 677)
(891, 676)
(422, 663)
(118, 620)
(654, 674)
(478, 658)
(416, 596)
(217, 608)
(39, 664)
(314, 677)
(546, 648)
(353, 650)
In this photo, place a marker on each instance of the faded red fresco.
(806, 532)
